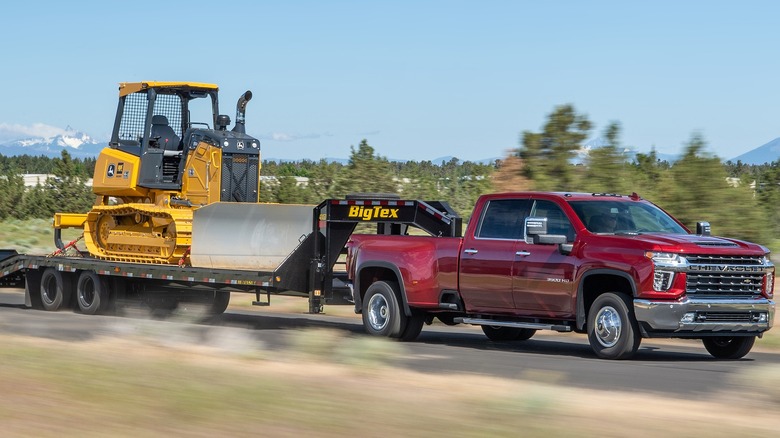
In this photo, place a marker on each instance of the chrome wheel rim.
(608, 326)
(377, 312)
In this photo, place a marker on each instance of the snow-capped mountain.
(78, 145)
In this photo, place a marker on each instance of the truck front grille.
(724, 285)
(723, 260)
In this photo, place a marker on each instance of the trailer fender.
(394, 275)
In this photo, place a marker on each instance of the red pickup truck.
(616, 267)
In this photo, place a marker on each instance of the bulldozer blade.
(247, 236)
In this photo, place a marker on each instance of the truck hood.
(692, 243)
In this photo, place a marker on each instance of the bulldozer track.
(139, 233)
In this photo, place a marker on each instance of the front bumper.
(720, 317)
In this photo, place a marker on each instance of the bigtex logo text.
(368, 213)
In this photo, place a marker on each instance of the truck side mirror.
(536, 230)
(703, 228)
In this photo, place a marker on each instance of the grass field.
(32, 236)
(327, 384)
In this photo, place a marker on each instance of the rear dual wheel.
(383, 316)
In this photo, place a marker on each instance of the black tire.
(500, 334)
(414, 325)
(525, 334)
(219, 303)
(92, 293)
(613, 332)
(729, 347)
(382, 315)
(56, 289)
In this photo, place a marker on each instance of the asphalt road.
(679, 368)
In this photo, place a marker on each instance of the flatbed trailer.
(93, 285)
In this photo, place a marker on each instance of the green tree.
(69, 193)
(11, 194)
(547, 155)
(37, 202)
(699, 190)
(287, 191)
(767, 188)
(366, 172)
(324, 180)
(606, 166)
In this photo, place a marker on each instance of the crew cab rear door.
(487, 259)
(543, 283)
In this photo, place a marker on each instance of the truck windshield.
(621, 217)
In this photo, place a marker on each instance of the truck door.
(543, 283)
(488, 257)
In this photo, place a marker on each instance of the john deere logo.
(368, 213)
(111, 170)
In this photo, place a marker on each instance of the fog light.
(662, 280)
(763, 317)
(688, 318)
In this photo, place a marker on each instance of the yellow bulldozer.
(170, 153)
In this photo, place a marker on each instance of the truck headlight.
(662, 280)
(665, 258)
(664, 264)
(769, 284)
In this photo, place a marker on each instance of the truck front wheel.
(613, 332)
(729, 347)
(382, 315)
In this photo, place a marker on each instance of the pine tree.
(547, 155)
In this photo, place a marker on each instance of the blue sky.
(418, 79)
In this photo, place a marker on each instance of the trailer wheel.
(56, 289)
(219, 304)
(613, 332)
(382, 314)
(729, 347)
(92, 293)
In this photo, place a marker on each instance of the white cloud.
(283, 136)
(11, 131)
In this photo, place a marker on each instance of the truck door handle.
(470, 251)
(523, 253)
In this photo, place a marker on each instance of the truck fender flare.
(582, 316)
(384, 265)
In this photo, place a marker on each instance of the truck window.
(557, 222)
(628, 217)
(503, 219)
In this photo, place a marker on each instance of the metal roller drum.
(247, 236)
